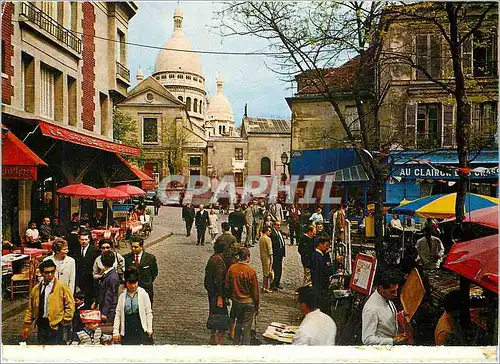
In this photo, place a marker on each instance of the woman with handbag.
(213, 224)
(215, 274)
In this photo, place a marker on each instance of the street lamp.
(284, 161)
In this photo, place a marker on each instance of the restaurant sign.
(427, 172)
(19, 172)
(67, 135)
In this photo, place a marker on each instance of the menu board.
(363, 273)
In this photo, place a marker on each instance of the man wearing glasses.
(278, 242)
(119, 264)
(51, 307)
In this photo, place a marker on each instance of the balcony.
(46, 23)
(238, 165)
(123, 72)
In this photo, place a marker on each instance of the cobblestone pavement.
(181, 306)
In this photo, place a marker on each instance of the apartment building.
(64, 67)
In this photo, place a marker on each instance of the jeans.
(244, 314)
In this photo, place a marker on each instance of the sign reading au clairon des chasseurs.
(414, 172)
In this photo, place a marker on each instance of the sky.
(246, 78)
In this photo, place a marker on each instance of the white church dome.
(169, 60)
(219, 107)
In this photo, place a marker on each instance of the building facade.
(59, 86)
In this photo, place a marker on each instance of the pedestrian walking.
(188, 215)
(317, 328)
(65, 265)
(109, 285)
(317, 217)
(133, 324)
(230, 244)
(145, 263)
(50, 307)
(340, 223)
(201, 222)
(215, 275)
(294, 214)
(237, 221)
(119, 262)
(321, 271)
(262, 214)
(430, 250)
(85, 259)
(278, 242)
(276, 211)
(157, 204)
(213, 224)
(248, 213)
(242, 287)
(266, 258)
(306, 249)
(256, 217)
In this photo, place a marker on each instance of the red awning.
(18, 161)
(58, 132)
(147, 183)
(476, 260)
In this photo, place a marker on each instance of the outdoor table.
(32, 252)
(112, 233)
(47, 246)
(10, 262)
(134, 226)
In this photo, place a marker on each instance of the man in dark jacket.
(237, 221)
(321, 271)
(215, 274)
(46, 232)
(145, 263)
(108, 287)
(306, 248)
(278, 241)
(188, 217)
(201, 222)
(85, 257)
(229, 243)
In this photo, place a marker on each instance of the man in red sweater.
(242, 287)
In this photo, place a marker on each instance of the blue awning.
(489, 156)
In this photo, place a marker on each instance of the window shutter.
(447, 126)
(422, 56)
(410, 123)
(467, 56)
(435, 57)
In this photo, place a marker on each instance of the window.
(479, 55)
(74, 15)
(171, 75)
(238, 154)
(195, 105)
(195, 161)
(149, 130)
(188, 77)
(428, 126)
(72, 101)
(484, 119)
(180, 76)
(105, 124)
(28, 83)
(188, 103)
(164, 76)
(157, 77)
(120, 47)
(181, 98)
(47, 88)
(352, 119)
(49, 8)
(201, 107)
(195, 78)
(428, 51)
(265, 166)
(3, 56)
(238, 179)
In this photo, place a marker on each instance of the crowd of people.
(83, 286)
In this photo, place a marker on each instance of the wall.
(267, 145)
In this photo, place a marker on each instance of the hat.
(89, 316)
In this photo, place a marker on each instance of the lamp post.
(284, 161)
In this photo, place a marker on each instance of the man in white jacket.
(133, 323)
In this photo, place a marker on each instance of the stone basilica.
(184, 131)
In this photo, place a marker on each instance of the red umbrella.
(476, 260)
(131, 190)
(113, 194)
(487, 217)
(80, 191)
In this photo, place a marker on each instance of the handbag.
(218, 320)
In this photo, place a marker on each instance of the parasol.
(476, 260)
(487, 217)
(443, 206)
(111, 193)
(80, 191)
(132, 191)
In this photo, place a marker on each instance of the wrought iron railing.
(122, 71)
(45, 22)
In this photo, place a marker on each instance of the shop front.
(71, 157)
(416, 174)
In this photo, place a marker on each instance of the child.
(79, 306)
(91, 334)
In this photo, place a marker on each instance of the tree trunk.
(462, 120)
